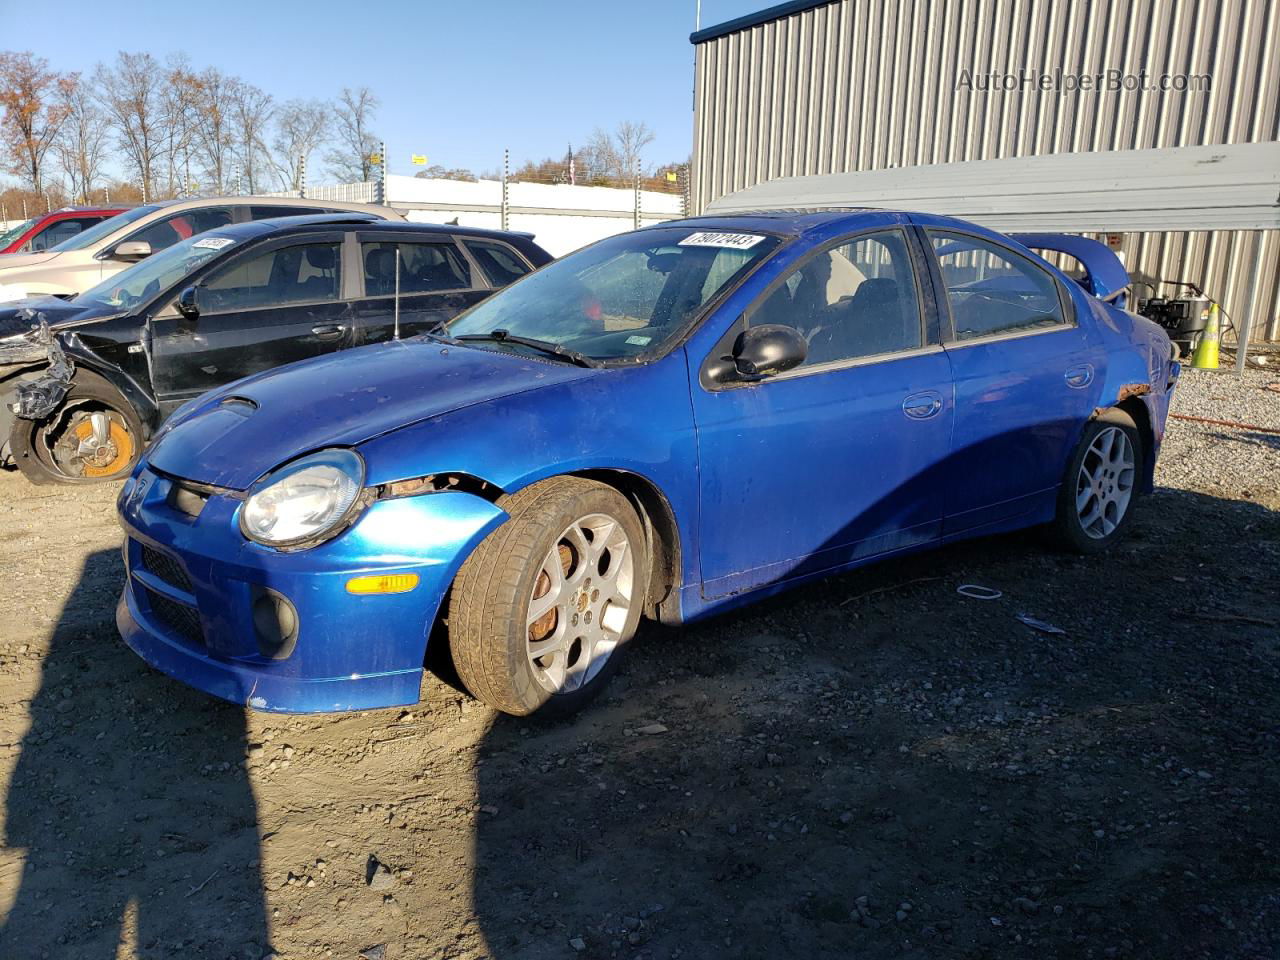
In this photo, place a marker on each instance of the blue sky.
(458, 81)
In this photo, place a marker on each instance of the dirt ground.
(871, 767)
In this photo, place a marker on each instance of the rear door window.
(59, 231)
(501, 264)
(306, 273)
(180, 226)
(424, 268)
(992, 290)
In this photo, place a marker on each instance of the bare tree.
(31, 95)
(133, 95)
(178, 123)
(615, 156)
(81, 147)
(353, 121)
(301, 127)
(251, 111)
(212, 123)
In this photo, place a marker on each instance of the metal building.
(826, 86)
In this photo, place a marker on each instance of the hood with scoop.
(231, 437)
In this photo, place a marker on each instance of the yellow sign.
(375, 159)
(671, 176)
(419, 160)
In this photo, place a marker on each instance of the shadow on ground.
(878, 767)
(96, 825)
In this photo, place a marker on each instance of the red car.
(50, 229)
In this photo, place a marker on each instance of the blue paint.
(770, 483)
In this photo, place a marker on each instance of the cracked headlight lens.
(309, 499)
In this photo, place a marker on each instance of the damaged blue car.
(667, 424)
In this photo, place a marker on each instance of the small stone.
(651, 729)
(901, 915)
(381, 878)
(374, 953)
(578, 944)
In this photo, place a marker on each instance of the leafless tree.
(81, 147)
(133, 93)
(615, 156)
(353, 121)
(212, 124)
(301, 127)
(251, 111)
(31, 97)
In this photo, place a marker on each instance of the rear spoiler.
(1104, 275)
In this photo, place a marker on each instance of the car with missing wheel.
(84, 383)
(668, 424)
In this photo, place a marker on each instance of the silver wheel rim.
(580, 603)
(1105, 484)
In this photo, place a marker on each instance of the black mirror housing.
(768, 350)
(189, 303)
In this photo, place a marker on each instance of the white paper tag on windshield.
(732, 241)
(212, 243)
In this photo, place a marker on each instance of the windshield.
(9, 236)
(623, 296)
(87, 238)
(131, 288)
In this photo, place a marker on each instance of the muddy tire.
(1100, 489)
(93, 436)
(542, 610)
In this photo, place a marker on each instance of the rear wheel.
(1095, 504)
(94, 435)
(542, 609)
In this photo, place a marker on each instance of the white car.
(105, 249)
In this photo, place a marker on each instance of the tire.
(562, 533)
(1100, 489)
(91, 406)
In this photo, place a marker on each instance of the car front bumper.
(193, 580)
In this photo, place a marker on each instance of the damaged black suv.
(85, 383)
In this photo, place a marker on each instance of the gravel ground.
(873, 766)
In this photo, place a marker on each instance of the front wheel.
(1095, 504)
(541, 611)
(94, 435)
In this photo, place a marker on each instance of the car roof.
(794, 222)
(318, 222)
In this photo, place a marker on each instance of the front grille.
(166, 568)
(178, 617)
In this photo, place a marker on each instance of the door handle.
(1080, 376)
(922, 406)
(329, 331)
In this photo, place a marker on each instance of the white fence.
(560, 216)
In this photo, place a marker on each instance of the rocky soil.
(874, 766)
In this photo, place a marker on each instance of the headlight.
(304, 500)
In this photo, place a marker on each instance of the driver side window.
(306, 273)
(855, 299)
(992, 290)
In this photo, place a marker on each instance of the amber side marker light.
(382, 583)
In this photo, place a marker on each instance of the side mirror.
(767, 350)
(189, 303)
(131, 251)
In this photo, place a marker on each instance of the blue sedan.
(668, 423)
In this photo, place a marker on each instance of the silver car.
(97, 253)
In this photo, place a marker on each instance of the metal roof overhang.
(1232, 187)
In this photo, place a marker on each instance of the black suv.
(84, 383)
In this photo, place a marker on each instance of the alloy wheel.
(579, 604)
(1104, 486)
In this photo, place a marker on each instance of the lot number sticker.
(731, 241)
(213, 243)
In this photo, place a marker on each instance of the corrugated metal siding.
(868, 84)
